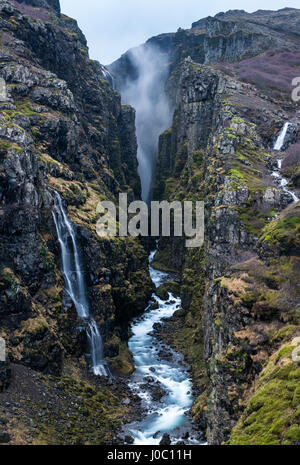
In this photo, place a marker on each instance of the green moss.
(231, 136)
(271, 415)
(284, 232)
(6, 146)
(292, 435)
(35, 327)
(284, 333)
(198, 157)
(25, 108)
(123, 363)
(239, 175)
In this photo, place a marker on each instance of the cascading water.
(167, 375)
(280, 180)
(281, 138)
(108, 76)
(75, 284)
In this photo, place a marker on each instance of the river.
(163, 383)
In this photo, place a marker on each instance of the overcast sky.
(114, 26)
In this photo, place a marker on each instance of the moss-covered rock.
(271, 416)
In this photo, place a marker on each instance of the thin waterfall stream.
(280, 180)
(75, 283)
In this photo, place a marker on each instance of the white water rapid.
(166, 374)
(280, 180)
(75, 284)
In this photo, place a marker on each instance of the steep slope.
(63, 128)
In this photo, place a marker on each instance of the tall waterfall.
(75, 283)
(281, 138)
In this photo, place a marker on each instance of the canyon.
(196, 346)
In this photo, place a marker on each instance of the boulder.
(4, 437)
(166, 440)
(5, 375)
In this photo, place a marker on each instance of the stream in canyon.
(161, 378)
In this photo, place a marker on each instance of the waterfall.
(153, 112)
(281, 181)
(75, 284)
(108, 76)
(281, 138)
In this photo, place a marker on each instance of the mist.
(153, 112)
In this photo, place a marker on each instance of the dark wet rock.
(129, 439)
(154, 306)
(55, 4)
(4, 437)
(165, 354)
(154, 388)
(157, 327)
(162, 292)
(5, 375)
(166, 440)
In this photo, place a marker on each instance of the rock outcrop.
(43, 4)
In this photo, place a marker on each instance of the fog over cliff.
(153, 113)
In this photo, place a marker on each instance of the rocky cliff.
(63, 128)
(240, 317)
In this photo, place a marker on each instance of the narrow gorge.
(134, 340)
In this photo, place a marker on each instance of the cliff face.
(63, 128)
(229, 37)
(240, 293)
(48, 4)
